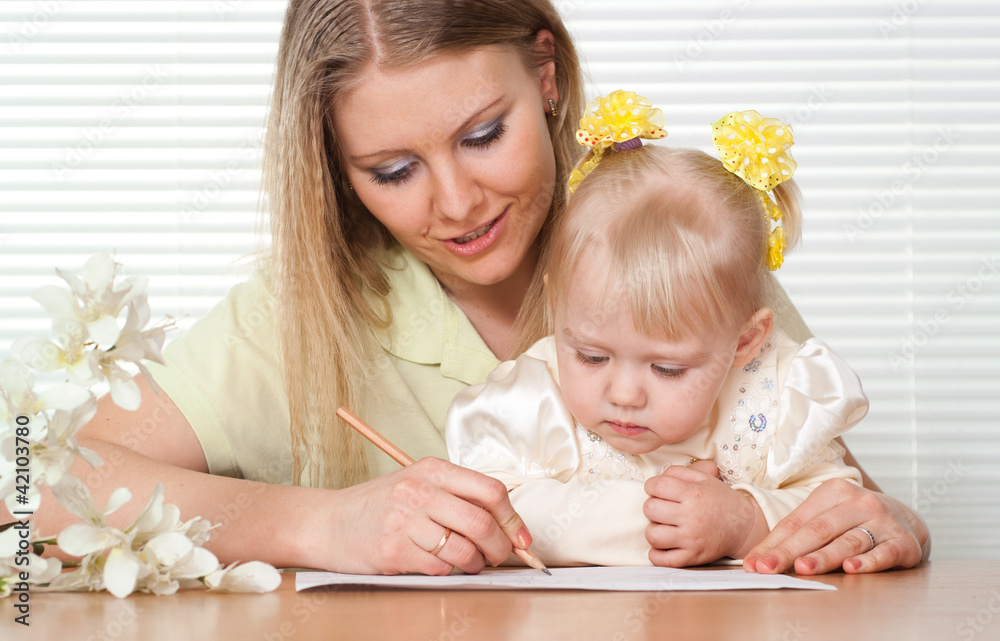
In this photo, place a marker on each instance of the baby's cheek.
(579, 403)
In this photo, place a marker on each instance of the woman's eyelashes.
(393, 174)
(481, 138)
(487, 135)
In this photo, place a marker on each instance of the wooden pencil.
(404, 459)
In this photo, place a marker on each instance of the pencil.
(404, 459)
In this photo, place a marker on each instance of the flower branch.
(99, 337)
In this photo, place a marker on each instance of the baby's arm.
(696, 518)
(695, 521)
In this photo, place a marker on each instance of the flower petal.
(104, 330)
(85, 371)
(38, 353)
(80, 539)
(90, 456)
(56, 300)
(125, 393)
(75, 497)
(121, 571)
(99, 271)
(67, 396)
(254, 576)
(118, 498)
(162, 586)
(9, 539)
(151, 515)
(76, 580)
(169, 548)
(16, 380)
(199, 563)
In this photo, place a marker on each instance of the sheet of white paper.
(639, 579)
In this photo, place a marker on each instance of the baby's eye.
(590, 359)
(668, 372)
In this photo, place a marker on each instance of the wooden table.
(938, 601)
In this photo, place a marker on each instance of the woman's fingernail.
(769, 563)
(524, 538)
(808, 563)
(852, 564)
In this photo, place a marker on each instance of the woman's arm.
(820, 535)
(382, 526)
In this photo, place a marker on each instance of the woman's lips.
(476, 234)
(479, 239)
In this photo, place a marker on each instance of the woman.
(415, 160)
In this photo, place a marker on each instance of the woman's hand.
(821, 535)
(696, 518)
(392, 524)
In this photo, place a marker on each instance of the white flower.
(118, 569)
(18, 396)
(39, 570)
(156, 553)
(254, 576)
(88, 577)
(173, 559)
(69, 352)
(52, 450)
(96, 299)
(90, 345)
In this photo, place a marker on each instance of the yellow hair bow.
(756, 149)
(615, 120)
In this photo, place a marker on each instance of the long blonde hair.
(327, 249)
(682, 241)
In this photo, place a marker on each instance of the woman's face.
(453, 156)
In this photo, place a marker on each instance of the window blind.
(134, 127)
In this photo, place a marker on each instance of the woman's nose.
(457, 194)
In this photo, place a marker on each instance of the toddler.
(663, 353)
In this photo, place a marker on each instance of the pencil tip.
(545, 570)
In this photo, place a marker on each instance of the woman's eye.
(667, 372)
(392, 175)
(493, 132)
(590, 359)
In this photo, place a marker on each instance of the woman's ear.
(752, 336)
(545, 49)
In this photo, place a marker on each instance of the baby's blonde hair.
(683, 240)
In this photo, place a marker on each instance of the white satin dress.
(770, 432)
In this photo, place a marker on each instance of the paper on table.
(627, 579)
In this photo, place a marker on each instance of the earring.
(552, 108)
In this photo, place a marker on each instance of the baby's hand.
(705, 465)
(696, 518)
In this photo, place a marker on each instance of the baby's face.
(637, 392)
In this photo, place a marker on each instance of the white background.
(134, 127)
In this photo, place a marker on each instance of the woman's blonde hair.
(681, 240)
(327, 249)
